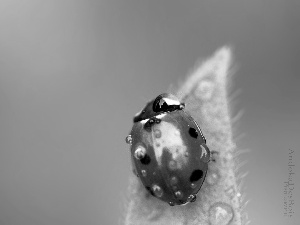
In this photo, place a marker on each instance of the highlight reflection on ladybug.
(168, 151)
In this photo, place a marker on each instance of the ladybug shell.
(170, 156)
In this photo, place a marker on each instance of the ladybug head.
(161, 104)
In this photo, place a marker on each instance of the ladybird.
(168, 150)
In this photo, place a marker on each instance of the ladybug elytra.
(168, 151)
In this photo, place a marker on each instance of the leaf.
(219, 200)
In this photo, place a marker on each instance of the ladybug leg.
(213, 155)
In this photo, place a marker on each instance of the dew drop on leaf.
(220, 213)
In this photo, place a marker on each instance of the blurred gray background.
(73, 73)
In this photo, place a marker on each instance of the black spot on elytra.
(193, 132)
(196, 175)
(146, 160)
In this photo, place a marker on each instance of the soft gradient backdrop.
(73, 73)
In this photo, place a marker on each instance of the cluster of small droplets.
(192, 198)
(129, 139)
(154, 120)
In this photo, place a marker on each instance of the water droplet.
(186, 154)
(178, 194)
(129, 139)
(228, 156)
(213, 178)
(220, 213)
(157, 120)
(140, 152)
(192, 198)
(173, 181)
(175, 187)
(157, 190)
(157, 133)
(230, 192)
(238, 195)
(172, 165)
(193, 185)
(205, 155)
(205, 90)
(177, 132)
(144, 173)
(171, 203)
